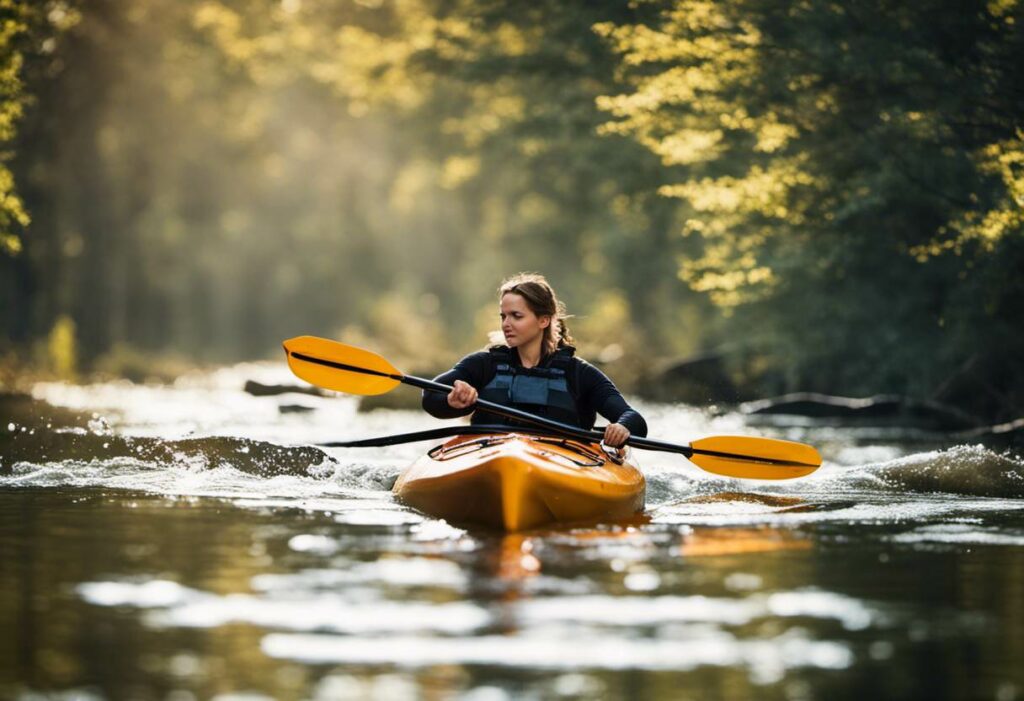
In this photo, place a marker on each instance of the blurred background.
(737, 200)
(768, 196)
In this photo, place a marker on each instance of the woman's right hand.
(462, 395)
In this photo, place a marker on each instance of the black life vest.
(544, 391)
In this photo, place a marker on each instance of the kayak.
(515, 482)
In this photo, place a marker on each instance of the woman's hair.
(541, 300)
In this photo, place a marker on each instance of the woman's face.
(518, 322)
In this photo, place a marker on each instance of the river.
(189, 542)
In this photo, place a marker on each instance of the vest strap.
(539, 390)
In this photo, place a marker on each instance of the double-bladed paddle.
(344, 368)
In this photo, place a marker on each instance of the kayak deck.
(515, 482)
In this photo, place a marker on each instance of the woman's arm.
(599, 392)
(471, 370)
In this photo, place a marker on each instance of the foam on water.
(971, 470)
(188, 478)
(964, 469)
(845, 508)
(263, 475)
(203, 437)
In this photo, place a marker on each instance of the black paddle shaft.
(443, 432)
(591, 436)
(508, 412)
(549, 424)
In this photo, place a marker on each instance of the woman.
(535, 371)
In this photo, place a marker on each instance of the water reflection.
(217, 567)
(756, 604)
(516, 560)
(711, 542)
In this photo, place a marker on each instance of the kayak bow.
(516, 482)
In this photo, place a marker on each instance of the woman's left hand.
(615, 435)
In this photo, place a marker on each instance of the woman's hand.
(615, 435)
(463, 395)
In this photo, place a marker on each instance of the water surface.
(190, 542)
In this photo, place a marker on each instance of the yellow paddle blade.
(339, 366)
(747, 457)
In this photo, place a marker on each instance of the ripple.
(852, 614)
(960, 533)
(173, 605)
(766, 660)
(396, 572)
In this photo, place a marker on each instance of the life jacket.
(544, 391)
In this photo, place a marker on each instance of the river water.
(189, 542)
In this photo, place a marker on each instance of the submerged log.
(258, 389)
(295, 409)
(889, 409)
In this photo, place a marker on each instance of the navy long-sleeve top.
(593, 392)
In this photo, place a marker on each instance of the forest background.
(814, 195)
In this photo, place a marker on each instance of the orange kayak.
(515, 482)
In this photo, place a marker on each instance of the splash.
(972, 470)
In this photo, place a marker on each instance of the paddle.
(344, 368)
(432, 434)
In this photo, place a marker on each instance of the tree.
(854, 173)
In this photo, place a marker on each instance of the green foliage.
(125, 362)
(854, 171)
(832, 192)
(62, 349)
(210, 177)
(15, 20)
